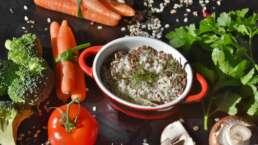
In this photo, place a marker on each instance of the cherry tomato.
(82, 132)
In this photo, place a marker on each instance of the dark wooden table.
(115, 128)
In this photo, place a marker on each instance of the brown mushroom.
(230, 130)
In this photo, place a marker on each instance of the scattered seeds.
(25, 7)
(48, 20)
(173, 11)
(94, 108)
(145, 142)
(123, 29)
(185, 19)
(99, 27)
(32, 21)
(195, 13)
(218, 2)
(26, 18)
(152, 27)
(196, 128)
(11, 11)
(167, 26)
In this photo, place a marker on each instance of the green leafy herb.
(70, 54)
(227, 102)
(183, 36)
(143, 75)
(226, 41)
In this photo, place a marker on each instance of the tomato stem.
(70, 125)
(79, 109)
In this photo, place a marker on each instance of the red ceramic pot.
(101, 54)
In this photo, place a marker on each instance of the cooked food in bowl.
(144, 76)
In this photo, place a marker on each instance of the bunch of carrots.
(107, 12)
(69, 76)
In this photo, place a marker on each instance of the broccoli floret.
(26, 51)
(30, 89)
(7, 75)
(11, 117)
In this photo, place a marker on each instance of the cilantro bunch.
(221, 48)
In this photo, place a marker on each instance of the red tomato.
(85, 130)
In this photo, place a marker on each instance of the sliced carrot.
(92, 10)
(54, 30)
(64, 42)
(120, 8)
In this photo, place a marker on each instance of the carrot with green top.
(54, 30)
(92, 10)
(65, 42)
(79, 90)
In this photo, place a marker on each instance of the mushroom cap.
(175, 133)
(227, 128)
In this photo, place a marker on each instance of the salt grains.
(99, 27)
(48, 20)
(11, 11)
(25, 7)
(26, 18)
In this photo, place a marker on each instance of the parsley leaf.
(228, 102)
(253, 110)
(183, 37)
(228, 60)
(224, 20)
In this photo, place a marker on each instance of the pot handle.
(91, 51)
(204, 88)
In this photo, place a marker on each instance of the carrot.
(66, 41)
(91, 9)
(63, 6)
(120, 8)
(80, 90)
(98, 7)
(99, 18)
(54, 30)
